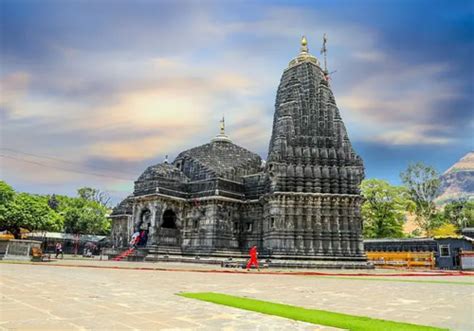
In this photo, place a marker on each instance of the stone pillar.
(318, 246)
(335, 230)
(152, 227)
(299, 230)
(290, 226)
(353, 227)
(325, 227)
(308, 228)
(344, 227)
(360, 240)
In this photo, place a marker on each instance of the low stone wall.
(3, 247)
(18, 249)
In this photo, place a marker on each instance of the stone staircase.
(168, 253)
(235, 259)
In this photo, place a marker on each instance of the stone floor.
(44, 297)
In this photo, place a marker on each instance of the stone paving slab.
(39, 297)
(44, 297)
(96, 262)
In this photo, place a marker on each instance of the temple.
(301, 207)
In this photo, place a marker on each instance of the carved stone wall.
(313, 225)
(251, 228)
(119, 231)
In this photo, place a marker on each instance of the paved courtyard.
(52, 297)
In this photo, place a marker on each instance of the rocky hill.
(458, 181)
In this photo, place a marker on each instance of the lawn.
(320, 317)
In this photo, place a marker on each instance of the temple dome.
(162, 175)
(161, 171)
(219, 158)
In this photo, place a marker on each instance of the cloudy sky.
(92, 92)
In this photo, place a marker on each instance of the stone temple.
(301, 207)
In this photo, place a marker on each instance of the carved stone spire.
(308, 131)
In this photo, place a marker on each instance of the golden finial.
(304, 55)
(304, 45)
(221, 137)
(304, 42)
(222, 125)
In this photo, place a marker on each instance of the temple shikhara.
(301, 207)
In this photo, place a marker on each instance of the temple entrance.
(168, 233)
(143, 227)
(169, 219)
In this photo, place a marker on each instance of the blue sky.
(110, 87)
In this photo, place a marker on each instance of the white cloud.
(162, 87)
(397, 104)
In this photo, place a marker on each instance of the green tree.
(53, 202)
(384, 208)
(445, 230)
(84, 215)
(29, 212)
(422, 182)
(7, 195)
(92, 194)
(460, 214)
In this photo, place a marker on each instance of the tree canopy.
(445, 230)
(27, 211)
(460, 213)
(92, 194)
(422, 182)
(383, 210)
(85, 214)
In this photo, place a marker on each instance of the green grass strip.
(397, 280)
(320, 317)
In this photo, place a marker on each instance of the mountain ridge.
(457, 182)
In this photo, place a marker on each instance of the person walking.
(59, 250)
(253, 258)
